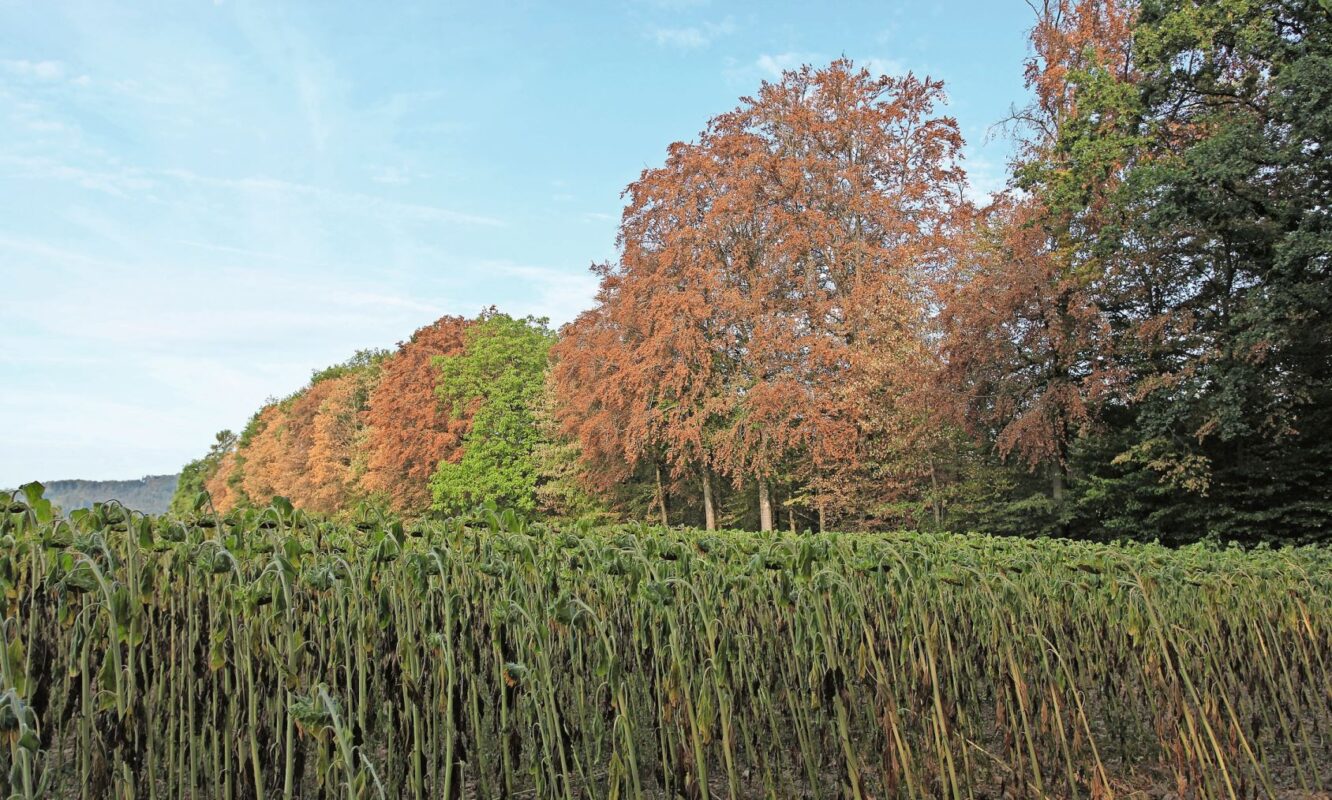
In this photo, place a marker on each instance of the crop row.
(268, 654)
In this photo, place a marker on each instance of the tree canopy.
(496, 381)
(808, 323)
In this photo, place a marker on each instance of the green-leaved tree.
(499, 377)
(196, 474)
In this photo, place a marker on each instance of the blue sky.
(202, 201)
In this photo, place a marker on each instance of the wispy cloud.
(557, 294)
(196, 348)
(773, 65)
(279, 36)
(677, 5)
(41, 70)
(693, 37)
(124, 181)
(985, 177)
(392, 176)
(250, 253)
(312, 92)
(352, 202)
(120, 182)
(685, 38)
(884, 66)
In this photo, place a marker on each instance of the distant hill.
(150, 494)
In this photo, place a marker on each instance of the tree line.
(810, 323)
(444, 422)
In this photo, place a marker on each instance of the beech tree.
(767, 272)
(330, 475)
(223, 485)
(1026, 344)
(1022, 335)
(496, 383)
(267, 470)
(409, 430)
(591, 378)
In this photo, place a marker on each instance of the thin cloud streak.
(354, 201)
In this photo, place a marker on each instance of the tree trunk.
(661, 496)
(1057, 485)
(765, 506)
(934, 499)
(709, 513)
(822, 519)
(790, 512)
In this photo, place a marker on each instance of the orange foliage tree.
(1021, 331)
(301, 448)
(265, 446)
(595, 383)
(1028, 345)
(767, 273)
(223, 485)
(330, 466)
(408, 430)
(370, 428)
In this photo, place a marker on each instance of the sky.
(203, 201)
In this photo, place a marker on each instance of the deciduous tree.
(767, 272)
(409, 430)
(496, 383)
